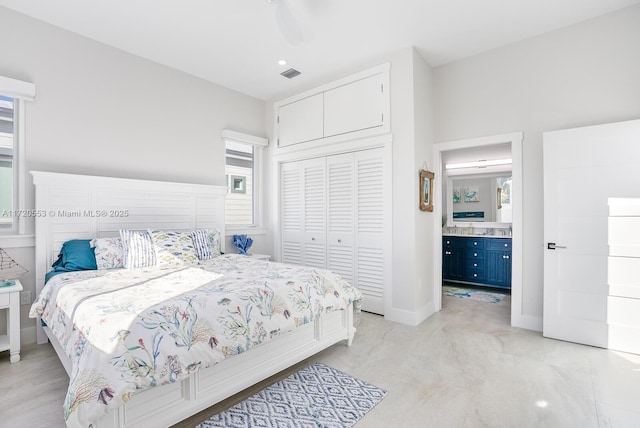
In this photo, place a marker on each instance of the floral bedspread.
(126, 330)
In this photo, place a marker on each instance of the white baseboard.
(527, 322)
(28, 335)
(412, 318)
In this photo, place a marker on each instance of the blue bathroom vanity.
(477, 260)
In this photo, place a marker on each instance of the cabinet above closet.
(354, 107)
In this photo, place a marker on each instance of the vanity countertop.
(462, 235)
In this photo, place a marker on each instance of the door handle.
(553, 246)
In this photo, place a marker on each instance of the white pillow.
(109, 252)
(173, 248)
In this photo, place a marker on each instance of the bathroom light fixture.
(282, 62)
(478, 164)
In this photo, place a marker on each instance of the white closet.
(333, 216)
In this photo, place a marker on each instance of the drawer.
(503, 244)
(476, 243)
(5, 298)
(474, 254)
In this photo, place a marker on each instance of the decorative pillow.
(173, 248)
(75, 254)
(207, 243)
(108, 252)
(137, 249)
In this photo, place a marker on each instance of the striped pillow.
(138, 250)
(207, 243)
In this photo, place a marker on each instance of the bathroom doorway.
(443, 195)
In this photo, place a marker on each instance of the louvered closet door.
(314, 212)
(341, 193)
(291, 213)
(371, 263)
(333, 216)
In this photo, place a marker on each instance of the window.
(243, 168)
(13, 94)
(7, 169)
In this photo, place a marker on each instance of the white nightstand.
(265, 257)
(10, 300)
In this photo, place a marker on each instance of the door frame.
(515, 138)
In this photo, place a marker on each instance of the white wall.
(582, 75)
(423, 112)
(100, 111)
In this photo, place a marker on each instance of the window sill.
(17, 241)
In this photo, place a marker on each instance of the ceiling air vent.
(290, 73)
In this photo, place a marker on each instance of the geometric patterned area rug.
(315, 396)
(482, 296)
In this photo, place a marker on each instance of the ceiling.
(237, 43)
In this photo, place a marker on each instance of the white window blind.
(13, 95)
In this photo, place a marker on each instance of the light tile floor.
(463, 367)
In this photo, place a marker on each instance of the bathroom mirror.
(485, 200)
(478, 189)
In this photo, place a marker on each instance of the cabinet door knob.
(475, 265)
(506, 245)
(313, 239)
(505, 257)
(339, 240)
(447, 253)
(475, 254)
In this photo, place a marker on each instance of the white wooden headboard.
(72, 206)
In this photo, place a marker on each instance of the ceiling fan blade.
(288, 24)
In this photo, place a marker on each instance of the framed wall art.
(426, 190)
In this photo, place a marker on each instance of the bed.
(118, 326)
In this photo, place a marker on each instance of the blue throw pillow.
(76, 254)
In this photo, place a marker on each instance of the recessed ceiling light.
(282, 62)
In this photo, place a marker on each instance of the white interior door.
(291, 212)
(314, 208)
(341, 200)
(584, 169)
(372, 249)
